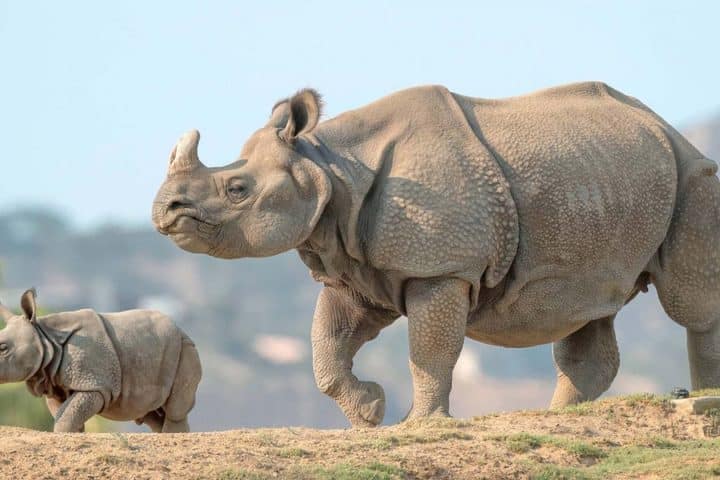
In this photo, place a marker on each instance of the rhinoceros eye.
(3, 348)
(236, 190)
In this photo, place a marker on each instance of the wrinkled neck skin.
(335, 247)
(40, 382)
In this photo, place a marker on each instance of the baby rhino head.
(20, 347)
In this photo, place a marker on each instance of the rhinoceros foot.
(370, 408)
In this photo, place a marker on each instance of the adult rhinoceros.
(514, 222)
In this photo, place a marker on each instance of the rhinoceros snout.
(170, 209)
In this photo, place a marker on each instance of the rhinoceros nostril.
(178, 204)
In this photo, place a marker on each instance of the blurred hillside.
(251, 321)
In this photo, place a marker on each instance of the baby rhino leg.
(154, 420)
(182, 395)
(76, 410)
(587, 362)
(53, 406)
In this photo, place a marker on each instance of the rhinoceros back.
(594, 175)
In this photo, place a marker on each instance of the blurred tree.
(20, 409)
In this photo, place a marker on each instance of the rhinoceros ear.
(297, 115)
(28, 305)
(280, 114)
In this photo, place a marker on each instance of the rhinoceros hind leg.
(704, 356)
(686, 273)
(182, 395)
(437, 318)
(587, 362)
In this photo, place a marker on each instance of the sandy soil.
(633, 437)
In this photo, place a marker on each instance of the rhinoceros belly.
(547, 305)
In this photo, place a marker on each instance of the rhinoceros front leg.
(437, 312)
(76, 410)
(343, 322)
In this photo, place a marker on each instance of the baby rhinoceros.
(134, 365)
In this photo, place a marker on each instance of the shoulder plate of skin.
(87, 364)
(41, 382)
(425, 196)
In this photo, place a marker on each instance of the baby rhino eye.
(3, 347)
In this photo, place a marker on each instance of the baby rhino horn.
(184, 157)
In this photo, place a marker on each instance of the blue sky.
(93, 95)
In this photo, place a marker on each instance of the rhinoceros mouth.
(190, 233)
(179, 218)
(186, 223)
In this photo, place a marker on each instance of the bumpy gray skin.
(514, 222)
(134, 365)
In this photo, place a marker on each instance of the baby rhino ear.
(28, 305)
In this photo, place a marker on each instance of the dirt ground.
(641, 436)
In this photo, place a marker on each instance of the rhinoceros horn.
(184, 157)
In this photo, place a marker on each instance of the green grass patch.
(387, 443)
(645, 399)
(241, 474)
(581, 409)
(455, 436)
(524, 442)
(661, 442)
(434, 422)
(267, 440)
(382, 443)
(372, 471)
(583, 449)
(293, 453)
(554, 472)
(637, 399)
(661, 458)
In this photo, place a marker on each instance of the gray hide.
(134, 365)
(515, 222)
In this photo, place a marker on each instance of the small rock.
(696, 405)
(679, 392)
